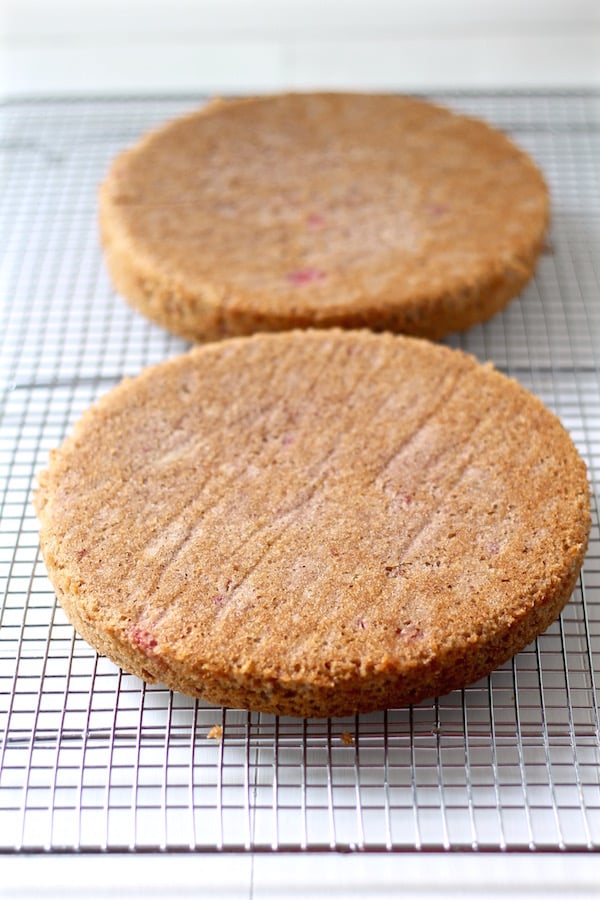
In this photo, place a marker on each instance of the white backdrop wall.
(112, 46)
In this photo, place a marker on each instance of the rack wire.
(92, 759)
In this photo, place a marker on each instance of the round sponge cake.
(315, 523)
(321, 210)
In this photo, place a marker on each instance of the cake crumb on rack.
(216, 733)
(347, 739)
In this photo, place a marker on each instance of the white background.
(63, 47)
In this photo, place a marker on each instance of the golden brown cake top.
(316, 209)
(311, 513)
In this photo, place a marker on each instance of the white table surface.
(54, 47)
(235, 877)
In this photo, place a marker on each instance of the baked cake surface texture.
(322, 210)
(314, 523)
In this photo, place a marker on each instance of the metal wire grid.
(91, 759)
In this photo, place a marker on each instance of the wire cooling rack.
(91, 759)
